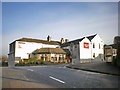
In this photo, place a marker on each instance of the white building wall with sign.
(23, 49)
(85, 49)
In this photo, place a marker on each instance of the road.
(58, 76)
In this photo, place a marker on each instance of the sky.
(69, 20)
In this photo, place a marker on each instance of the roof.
(74, 42)
(39, 41)
(49, 51)
(114, 46)
(77, 40)
(67, 51)
(91, 37)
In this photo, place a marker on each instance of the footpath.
(98, 67)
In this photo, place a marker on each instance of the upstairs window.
(99, 45)
(93, 45)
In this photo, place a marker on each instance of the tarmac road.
(58, 76)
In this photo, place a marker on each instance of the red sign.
(21, 43)
(86, 45)
(19, 46)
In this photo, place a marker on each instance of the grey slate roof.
(74, 42)
(91, 37)
(67, 51)
(39, 41)
(77, 41)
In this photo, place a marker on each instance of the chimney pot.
(62, 40)
(66, 40)
(48, 38)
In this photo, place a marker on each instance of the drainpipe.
(91, 51)
(79, 51)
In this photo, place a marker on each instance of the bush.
(30, 62)
(4, 60)
(4, 63)
(118, 60)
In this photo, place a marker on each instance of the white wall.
(85, 53)
(97, 40)
(29, 47)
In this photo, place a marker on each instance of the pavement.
(98, 67)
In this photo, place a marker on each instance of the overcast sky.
(71, 20)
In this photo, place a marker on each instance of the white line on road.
(56, 79)
(30, 69)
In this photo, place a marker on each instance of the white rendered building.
(22, 48)
(85, 49)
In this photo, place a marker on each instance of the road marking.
(60, 67)
(30, 69)
(64, 67)
(56, 79)
(25, 78)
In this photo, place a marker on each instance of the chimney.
(48, 38)
(66, 40)
(62, 40)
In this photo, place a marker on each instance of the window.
(42, 57)
(76, 46)
(61, 57)
(55, 58)
(52, 59)
(93, 45)
(100, 55)
(94, 55)
(28, 55)
(99, 45)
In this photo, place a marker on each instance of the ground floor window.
(52, 58)
(44, 57)
(55, 58)
(94, 55)
(61, 57)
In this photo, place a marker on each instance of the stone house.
(50, 54)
